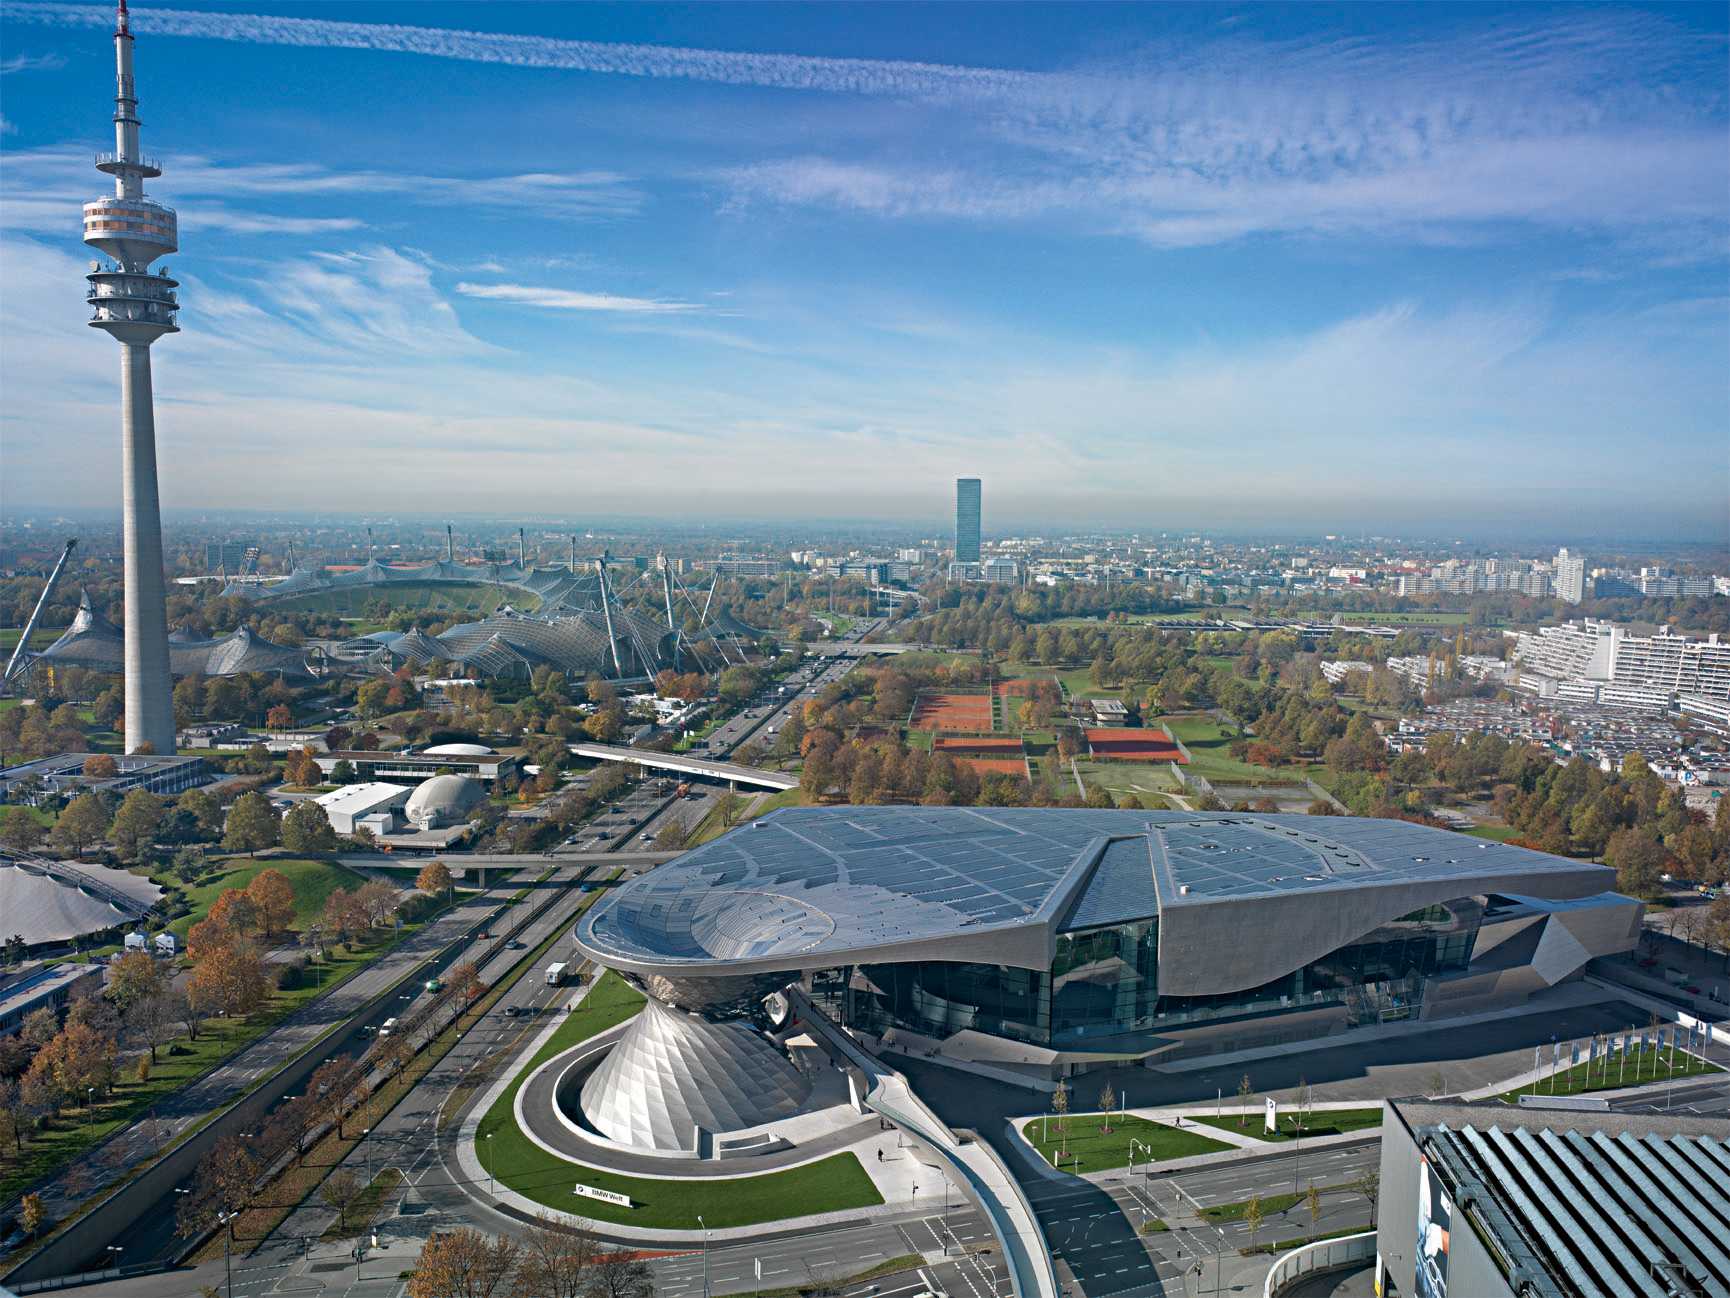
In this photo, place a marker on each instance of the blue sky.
(1324, 266)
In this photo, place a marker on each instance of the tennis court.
(952, 712)
(1122, 744)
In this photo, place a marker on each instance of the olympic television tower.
(135, 306)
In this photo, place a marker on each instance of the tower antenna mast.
(135, 306)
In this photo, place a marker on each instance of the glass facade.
(967, 520)
(1104, 982)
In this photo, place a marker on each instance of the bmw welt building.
(1040, 942)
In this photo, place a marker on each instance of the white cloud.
(50, 184)
(349, 376)
(564, 299)
(31, 63)
(1593, 117)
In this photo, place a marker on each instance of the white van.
(386, 1029)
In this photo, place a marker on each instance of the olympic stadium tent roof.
(94, 642)
(507, 644)
(46, 907)
(558, 587)
(805, 888)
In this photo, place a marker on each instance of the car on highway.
(435, 984)
(514, 946)
(385, 1027)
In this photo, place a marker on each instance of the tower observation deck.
(136, 305)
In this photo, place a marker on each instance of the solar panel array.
(877, 875)
(1636, 1213)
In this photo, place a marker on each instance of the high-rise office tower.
(1570, 576)
(136, 306)
(967, 520)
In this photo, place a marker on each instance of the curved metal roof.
(94, 642)
(806, 888)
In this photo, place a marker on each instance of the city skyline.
(1375, 326)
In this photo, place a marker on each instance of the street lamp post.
(705, 1231)
(227, 1220)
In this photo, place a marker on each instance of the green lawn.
(1270, 1205)
(313, 882)
(1086, 1147)
(1077, 681)
(1138, 778)
(41, 638)
(834, 1184)
(1322, 1122)
(1210, 758)
(1650, 1065)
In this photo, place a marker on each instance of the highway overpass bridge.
(686, 764)
(866, 649)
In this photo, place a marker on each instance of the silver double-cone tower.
(136, 306)
(674, 1078)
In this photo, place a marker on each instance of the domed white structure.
(443, 800)
(458, 750)
(674, 1079)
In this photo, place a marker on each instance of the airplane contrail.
(877, 77)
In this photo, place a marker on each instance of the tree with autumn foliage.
(236, 911)
(272, 898)
(230, 979)
(301, 768)
(464, 1263)
(435, 878)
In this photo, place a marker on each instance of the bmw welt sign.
(605, 1196)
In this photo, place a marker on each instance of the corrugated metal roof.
(1575, 1211)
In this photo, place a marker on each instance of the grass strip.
(1271, 1205)
(1321, 1122)
(1606, 1074)
(1096, 1142)
(354, 1219)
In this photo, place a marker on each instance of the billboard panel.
(1435, 1220)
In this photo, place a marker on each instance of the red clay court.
(984, 753)
(999, 746)
(1020, 688)
(1120, 744)
(952, 712)
(986, 765)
